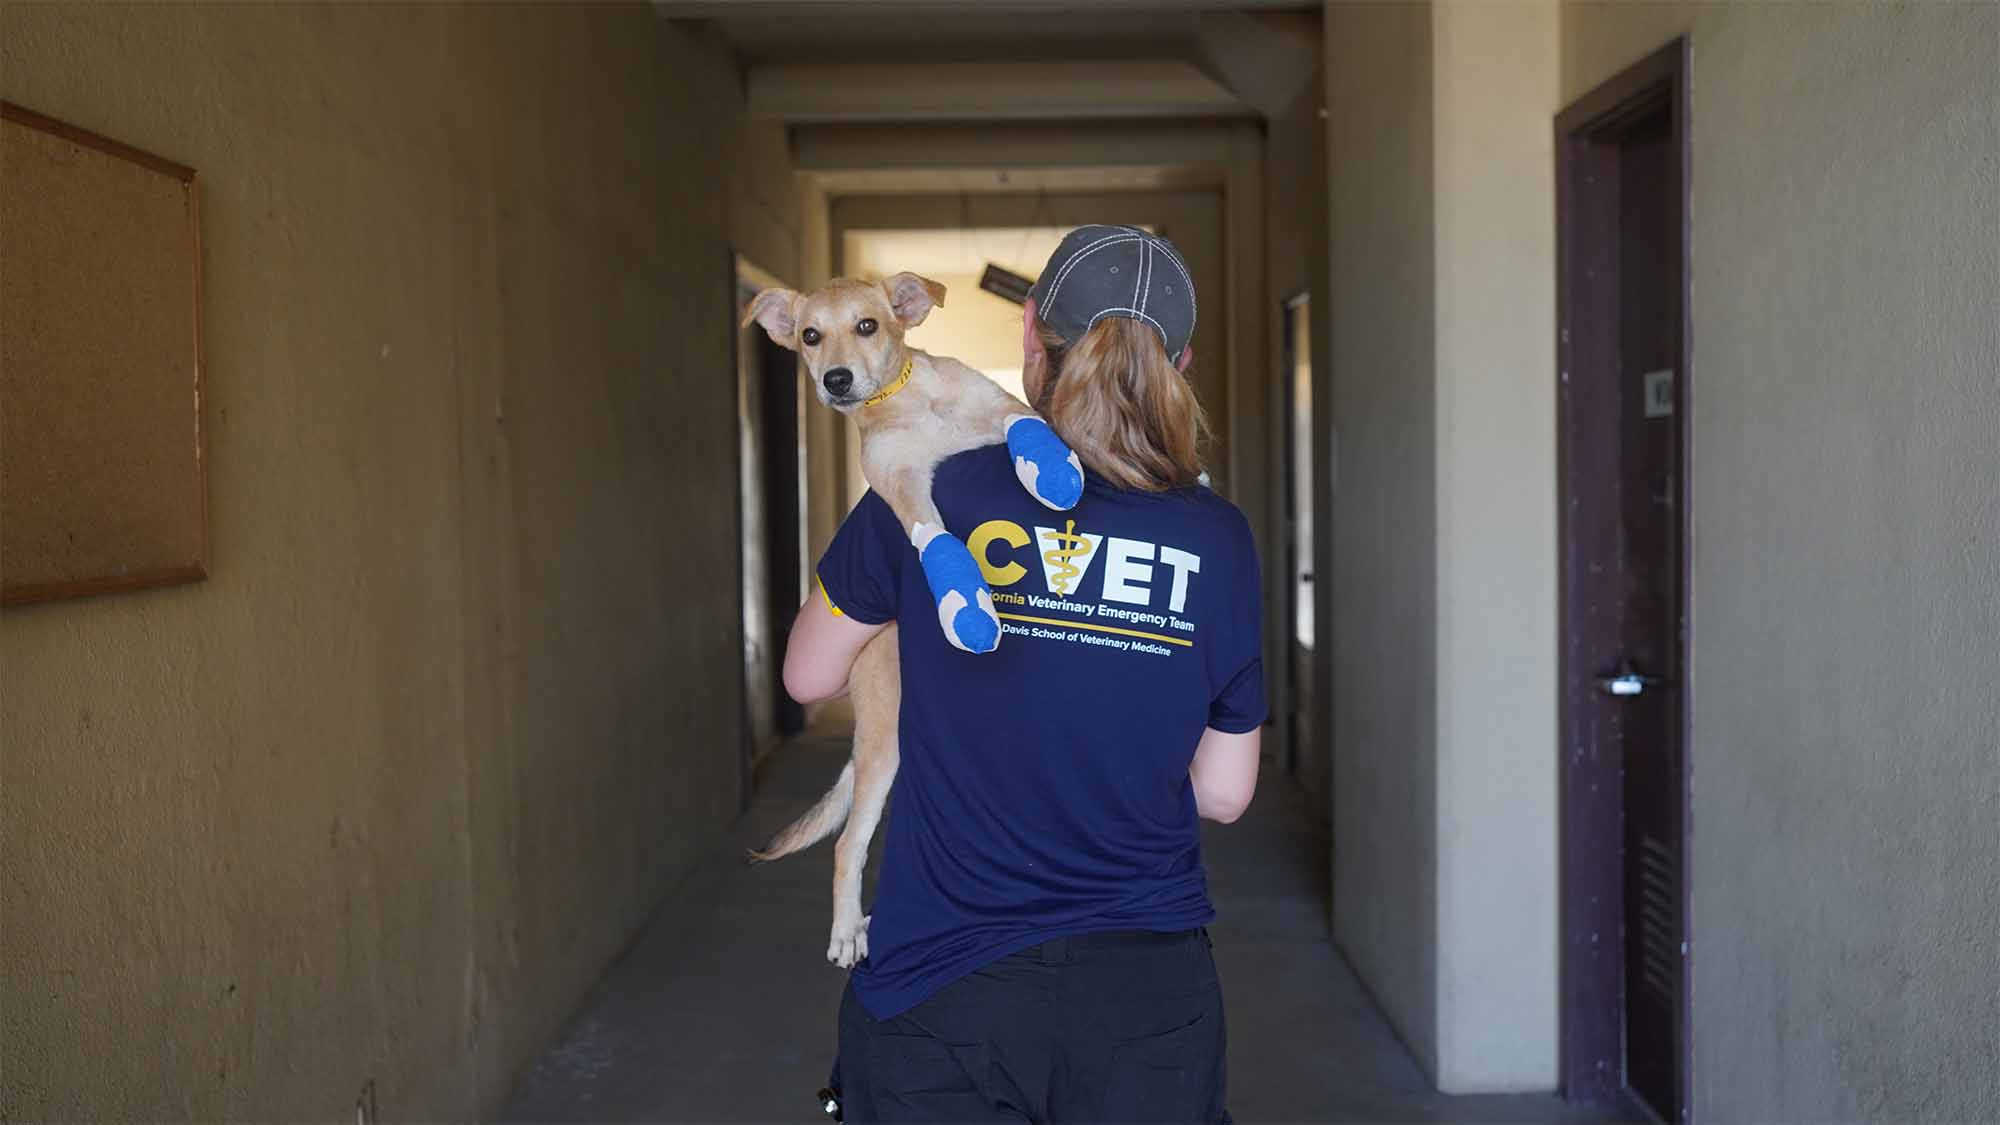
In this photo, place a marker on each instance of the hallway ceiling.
(988, 181)
(981, 59)
(1092, 89)
(764, 33)
(984, 96)
(1053, 157)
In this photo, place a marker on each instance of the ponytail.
(1119, 401)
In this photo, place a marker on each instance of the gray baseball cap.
(1101, 271)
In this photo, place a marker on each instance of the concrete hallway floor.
(723, 1010)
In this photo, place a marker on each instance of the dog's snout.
(838, 380)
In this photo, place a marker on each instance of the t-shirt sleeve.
(1239, 705)
(863, 566)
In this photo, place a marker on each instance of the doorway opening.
(772, 535)
(1622, 356)
(1297, 375)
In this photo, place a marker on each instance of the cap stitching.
(1080, 251)
(1153, 271)
(1139, 285)
(1194, 306)
(1077, 259)
(1149, 243)
(1063, 274)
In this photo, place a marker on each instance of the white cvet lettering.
(1125, 577)
(1184, 564)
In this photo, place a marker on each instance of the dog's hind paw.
(965, 605)
(849, 944)
(1047, 466)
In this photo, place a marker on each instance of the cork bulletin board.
(102, 480)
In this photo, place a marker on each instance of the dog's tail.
(819, 822)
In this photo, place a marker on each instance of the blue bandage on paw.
(1047, 466)
(965, 605)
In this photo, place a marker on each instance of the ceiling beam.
(1017, 181)
(988, 91)
(904, 212)
(1266, 59)
(723, 9)
(1000, 146)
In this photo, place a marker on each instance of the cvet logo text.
(1129, 573)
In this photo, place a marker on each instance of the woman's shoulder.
(981, 466)
(989, 469)
(1197, 509)
(1229, 519)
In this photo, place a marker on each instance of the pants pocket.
(918, 1078)
(1174, 1076)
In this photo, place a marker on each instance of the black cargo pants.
(1110, 1027)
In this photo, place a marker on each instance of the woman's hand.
(1224, 773)
(820, 651)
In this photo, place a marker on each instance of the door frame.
(1296, 305)
(1591, 879)
(746, 278)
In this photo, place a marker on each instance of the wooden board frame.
(14, 595)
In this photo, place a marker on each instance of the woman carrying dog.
(1037, 950)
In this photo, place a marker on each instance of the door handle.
(1626, 681)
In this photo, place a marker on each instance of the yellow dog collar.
(909, 362)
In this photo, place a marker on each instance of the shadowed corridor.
(399, 532)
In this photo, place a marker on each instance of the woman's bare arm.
(1225, 773)
(821, 651)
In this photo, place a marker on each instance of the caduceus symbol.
(1069, 545)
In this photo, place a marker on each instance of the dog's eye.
(809, 337)
(866, 327)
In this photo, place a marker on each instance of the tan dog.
(914, 410)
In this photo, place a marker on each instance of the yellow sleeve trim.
(827, 596)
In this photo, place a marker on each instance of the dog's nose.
(837, 380)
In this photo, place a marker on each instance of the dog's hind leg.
(876, 688)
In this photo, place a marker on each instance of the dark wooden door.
(1623, 354)
(784, 509)
(1644, 645)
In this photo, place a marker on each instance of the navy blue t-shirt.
(1043, 787)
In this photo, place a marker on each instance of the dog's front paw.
(1047, 466)
(965, 605)
(849, 944)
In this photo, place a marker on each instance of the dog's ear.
(913, 297)
(777, 311)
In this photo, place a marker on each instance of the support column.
(1496, 71)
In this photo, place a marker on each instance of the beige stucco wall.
(375, 802)
(1495, 68)
(1380, 228)
(1846, 742)
(1845, 386)
(1443, 623)
(1844, 245)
